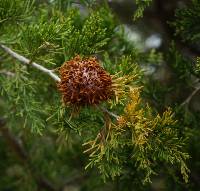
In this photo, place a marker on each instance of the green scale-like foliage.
(197, 67)
(15, 10)
(139, 141)
(141, 6)
(122, 139)
(187, 22)
(68, 35)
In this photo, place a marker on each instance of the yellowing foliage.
(149, 139)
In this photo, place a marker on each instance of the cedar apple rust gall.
(84, 82)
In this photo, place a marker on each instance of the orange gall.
(84, 82)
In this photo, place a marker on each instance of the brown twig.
(108, 112)
(189, 98)
(29, 62)
(7, 73)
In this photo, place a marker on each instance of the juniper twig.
(187, 101)
(108, 112)
(43, 69)
(7, 73)
(27, 62)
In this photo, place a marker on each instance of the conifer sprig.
(148, 140)
(29, 62)
(128, 135)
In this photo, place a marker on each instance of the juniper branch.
(7, 73)
(27, 62)
(43, 69)
(109, 112)
(187, 101)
